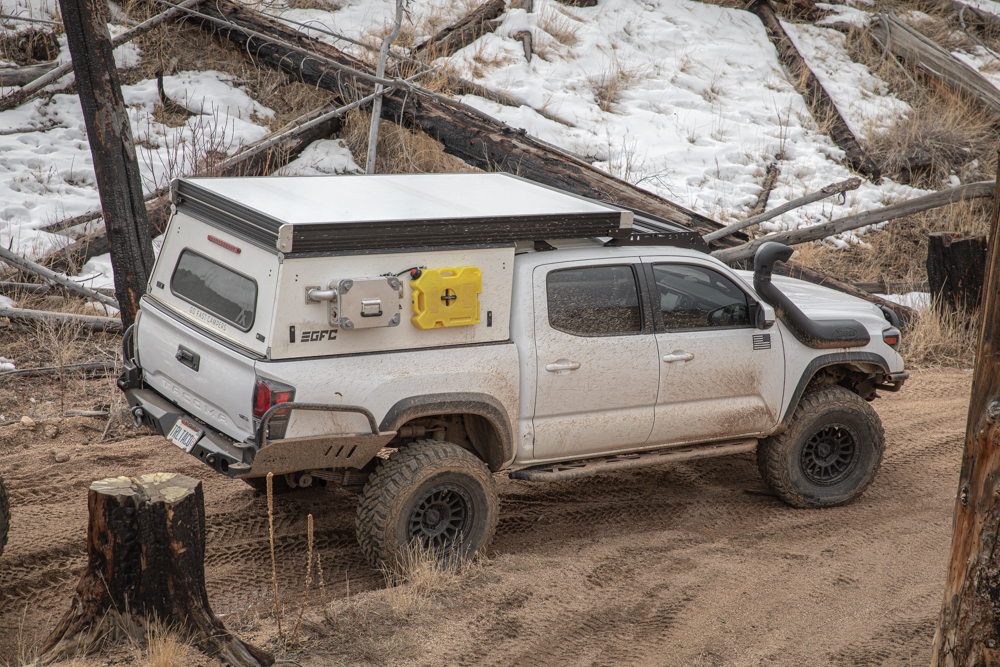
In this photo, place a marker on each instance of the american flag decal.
(762, 341)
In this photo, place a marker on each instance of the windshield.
(215, 288)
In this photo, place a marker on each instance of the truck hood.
(821, 303)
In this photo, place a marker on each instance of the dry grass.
(400, 150)
(940, 339)
(165, 648)
(563, 27)
(611, 83)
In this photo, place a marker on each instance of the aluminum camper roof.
(328, 213)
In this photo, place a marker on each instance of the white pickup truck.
(410, 336)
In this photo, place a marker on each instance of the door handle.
(678, 355)
(562, 365)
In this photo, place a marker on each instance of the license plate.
(184, 434)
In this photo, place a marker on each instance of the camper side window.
(215, 288)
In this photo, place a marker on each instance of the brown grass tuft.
(399, 150)
(613, 81)
(940, 339)
(563, 27)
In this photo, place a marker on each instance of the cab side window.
(594, 300)
(693, 297)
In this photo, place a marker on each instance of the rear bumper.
(214, 449)
(236, 460)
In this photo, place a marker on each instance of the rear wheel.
(4, 515)
(433, 496)
(829, 453)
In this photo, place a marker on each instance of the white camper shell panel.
(314, 336)
(185, 232)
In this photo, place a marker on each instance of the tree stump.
(146, 562)
(956, 270)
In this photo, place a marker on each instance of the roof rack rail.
(686, 239)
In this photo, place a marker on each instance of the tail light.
(891, 337)
(266, 394)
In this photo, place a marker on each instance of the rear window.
(228, 295)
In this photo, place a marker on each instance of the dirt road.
(691, 564)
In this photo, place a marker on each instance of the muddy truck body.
(410, 336)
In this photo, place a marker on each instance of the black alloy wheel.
(829, 455)
(440, 520)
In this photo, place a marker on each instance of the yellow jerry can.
(447, 297)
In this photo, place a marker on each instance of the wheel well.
(470, 431)
(861, 378)
(477, 422)
(860, 372)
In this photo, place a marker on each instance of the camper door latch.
(371, 307)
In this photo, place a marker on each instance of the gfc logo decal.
(311, 336)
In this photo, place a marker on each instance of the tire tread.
(816, 399)
(394, 474)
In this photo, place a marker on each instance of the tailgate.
(219, 392)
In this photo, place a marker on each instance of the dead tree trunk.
(956, 269)
(146, 552)
(967, 632)
(463, 32)
(111, 144)
(820, 103)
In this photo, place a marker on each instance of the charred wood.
(146, 561)
(463, 32)
(956, 270)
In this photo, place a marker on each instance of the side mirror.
(765, 316)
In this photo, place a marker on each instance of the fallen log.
(934, 62)
(97, 369)
(20, 76)
(980, 190)
(821, 105)
(463, 32)
(146, 562)
(91, 322)
(9, 288)
(956, 270)
(893, 287)
(469, 134)
(27, 265)
(828, 191)
(29, 90)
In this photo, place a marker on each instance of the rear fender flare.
(495, 446)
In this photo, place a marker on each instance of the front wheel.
(432, 495)
(829, 453)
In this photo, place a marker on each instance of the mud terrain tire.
(433, 492)
(4, 515)
(829, 453)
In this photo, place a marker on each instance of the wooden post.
(146, 561)
(956, 268)
(967, 632)
(113, 148)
